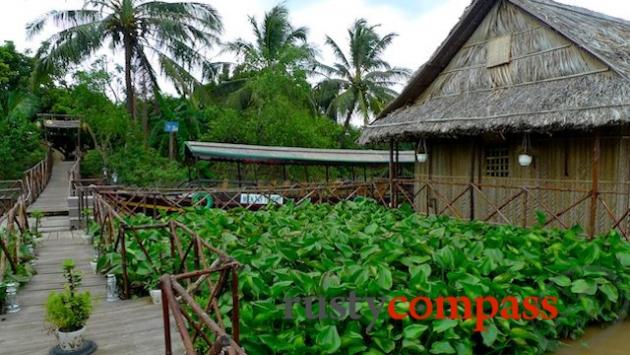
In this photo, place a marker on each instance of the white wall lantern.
(525, 159)
(422, 154)
(422, 157)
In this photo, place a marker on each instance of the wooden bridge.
(123, 327)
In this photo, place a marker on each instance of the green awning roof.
(290, 155)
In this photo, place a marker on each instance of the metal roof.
(291, 155)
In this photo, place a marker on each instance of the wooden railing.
(198, 265)
(563, 204)
(14, 220)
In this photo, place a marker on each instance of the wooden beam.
(473, 152)
(595, 185)
(391, 172)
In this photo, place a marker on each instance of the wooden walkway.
(123, 327)
(54, 199)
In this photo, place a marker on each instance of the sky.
(421, 25)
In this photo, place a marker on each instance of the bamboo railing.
(199, 265)
(14, 220)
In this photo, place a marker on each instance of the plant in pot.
(38, 215)
(67, 313)
(153, 286)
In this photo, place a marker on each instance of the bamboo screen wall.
(456, 182)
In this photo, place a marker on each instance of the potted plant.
(153, 286)
(68, 311)
(38, 215)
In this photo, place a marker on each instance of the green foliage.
(92, 164)
(19, 147)
(138, 166)
(361, 81)
(170, 32)
(277, 45)
(332, 250)
(69, 310)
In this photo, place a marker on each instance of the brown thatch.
(568, 68)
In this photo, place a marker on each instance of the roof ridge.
(581, 10)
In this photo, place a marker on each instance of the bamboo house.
(524, 107)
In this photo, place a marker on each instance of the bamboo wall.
(558, 179)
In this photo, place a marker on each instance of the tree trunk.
(346, 123)
(131, 105)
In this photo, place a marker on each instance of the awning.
(290, 155)
(62, 123)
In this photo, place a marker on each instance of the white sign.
(258, 199)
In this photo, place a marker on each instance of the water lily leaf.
(414, 331)
(610, 291)
(442, 347)
(584, 286)
(561, 280)
(328, 339)
(384, 278)
(443, 325)
(489, 335)
(624, 258)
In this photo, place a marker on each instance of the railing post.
(123, 256)
(236, 327)
(595, 186)
(168, 350)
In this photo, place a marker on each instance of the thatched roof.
(568, 68)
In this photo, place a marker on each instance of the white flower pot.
(156, 296)
(70, 341)
(422, 157)
(525, 159)
(93, 266)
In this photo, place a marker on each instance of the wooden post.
(238, 173)
(168, 350)
(391, 172)
(171, 145)
(473, 152)
(595, 186)
(123, 258)
(327, 177)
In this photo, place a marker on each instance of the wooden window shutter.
(499, 51)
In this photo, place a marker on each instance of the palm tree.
(277, 43)
(174, 33)
(362, 81)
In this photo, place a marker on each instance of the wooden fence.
(14, 220)
(563, 204)
(199, 266)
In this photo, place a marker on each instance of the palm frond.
(64, 18)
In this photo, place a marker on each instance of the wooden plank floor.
(123, 327)
(54, 198)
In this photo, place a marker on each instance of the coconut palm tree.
(173, 33)
(277, 43)
(362, 81)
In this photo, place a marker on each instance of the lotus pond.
(363, 248)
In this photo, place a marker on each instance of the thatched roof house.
(515, 66)
(524, 107)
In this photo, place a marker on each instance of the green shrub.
(92, 164)
(69, 310)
